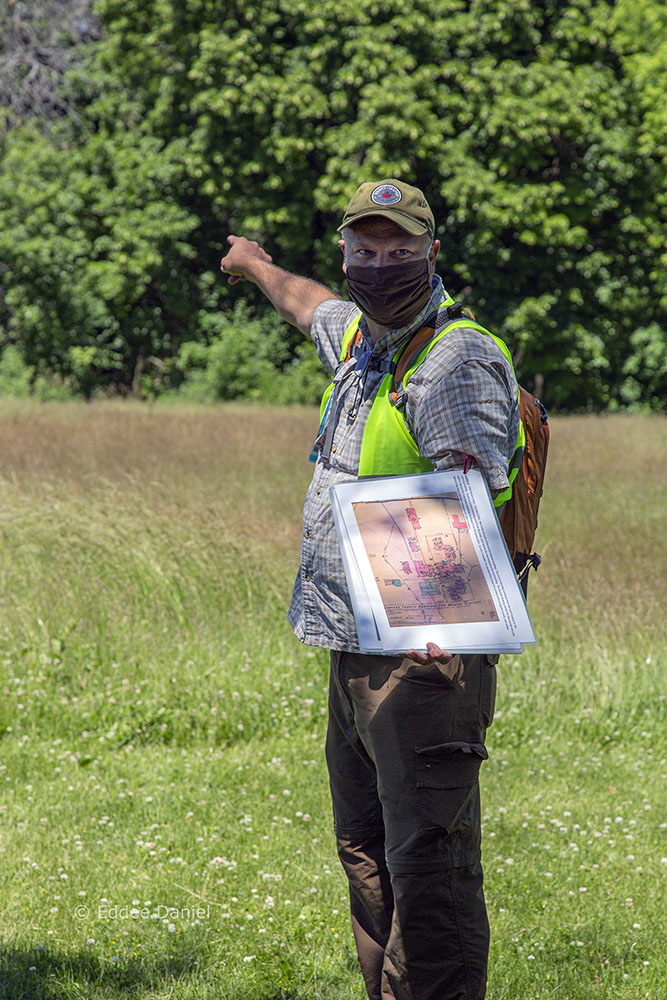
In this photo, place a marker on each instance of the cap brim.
(405, 222)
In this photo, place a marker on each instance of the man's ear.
(341, 244)
(435, 250)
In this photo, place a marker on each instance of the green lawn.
(164, 817)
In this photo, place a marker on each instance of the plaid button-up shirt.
(462, 400)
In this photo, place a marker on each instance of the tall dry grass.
(598, 600)
(158, 543)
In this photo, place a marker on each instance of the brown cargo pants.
(404, 747)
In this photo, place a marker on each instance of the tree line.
(135, 137)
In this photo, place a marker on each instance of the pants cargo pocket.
(446, 780)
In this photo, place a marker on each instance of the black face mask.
(391, 295)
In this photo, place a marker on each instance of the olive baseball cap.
(402, 203)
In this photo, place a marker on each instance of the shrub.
(15, 374)
(246, 356)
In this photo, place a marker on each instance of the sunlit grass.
(162, 730)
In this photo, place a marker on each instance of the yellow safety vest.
(387, 447)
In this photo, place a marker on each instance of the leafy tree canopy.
(538, 132)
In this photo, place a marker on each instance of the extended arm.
(294, 297)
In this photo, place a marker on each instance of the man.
(406, 735)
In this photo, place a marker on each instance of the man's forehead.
(378, 227)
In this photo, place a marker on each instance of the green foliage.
(646, 368)
(303, 380)
(19, 381)
(15, 375)
(538, 131)
(249, 358)
(239, 360)
(96, 254)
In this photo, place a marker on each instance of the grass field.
(165, 827)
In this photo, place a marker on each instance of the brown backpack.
(518, 518)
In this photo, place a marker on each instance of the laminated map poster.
(426, 561)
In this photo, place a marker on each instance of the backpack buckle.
(397, 397)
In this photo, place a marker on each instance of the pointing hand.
(240, 258)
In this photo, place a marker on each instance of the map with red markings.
(424, 562)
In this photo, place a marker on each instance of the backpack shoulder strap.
(409, 353)
(446, 314)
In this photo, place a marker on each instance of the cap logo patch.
(386, 194)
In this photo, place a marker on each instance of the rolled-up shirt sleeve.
(470, 410)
